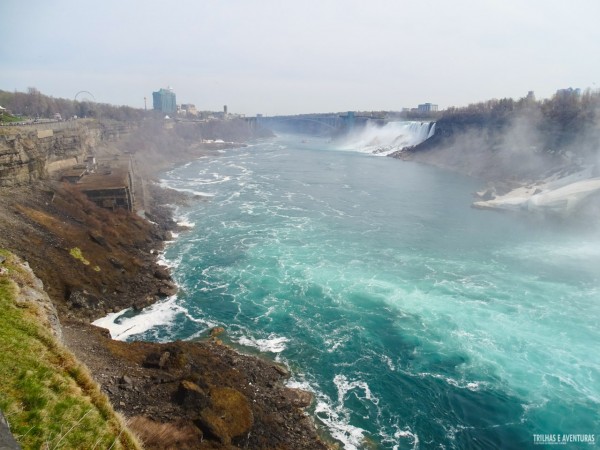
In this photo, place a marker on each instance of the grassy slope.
(48, 397)
(8, 118)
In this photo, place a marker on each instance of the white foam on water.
(388, 361)
(185, 223)
(470, 385)
(273, 344)
(337, 420)
(344, 386)
(334, 344)
(509, 333)
(158, 314)
(334, 415)
(406, 434)
(182, 219)
(190, 191)
(302, 385)
(207, 324)
(216, 179)
(267, 315)
(162, 261)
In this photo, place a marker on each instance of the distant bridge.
(311, 123)
(330, 122)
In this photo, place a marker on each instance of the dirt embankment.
(93, 261)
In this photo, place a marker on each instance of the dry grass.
(156, 435)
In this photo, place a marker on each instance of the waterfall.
(386, 139)
(431, 130)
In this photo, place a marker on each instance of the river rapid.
(416, 321)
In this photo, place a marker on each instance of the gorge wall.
(31, 153)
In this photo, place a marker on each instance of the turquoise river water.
(416, 321)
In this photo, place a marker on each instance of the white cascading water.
(389, 138)
(431, 130)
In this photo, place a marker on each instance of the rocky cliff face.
(27, 155)
(33, 152)
(20, 161)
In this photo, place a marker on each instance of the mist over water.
(417, 321)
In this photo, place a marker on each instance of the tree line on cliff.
(35, 104)
(515, 139)
(569, 121)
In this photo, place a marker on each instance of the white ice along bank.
(555, 195)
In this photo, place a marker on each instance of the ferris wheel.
(85, 96)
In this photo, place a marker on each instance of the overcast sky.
(283, 57)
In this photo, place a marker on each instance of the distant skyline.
(279, 57)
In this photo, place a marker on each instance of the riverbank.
(93, 262)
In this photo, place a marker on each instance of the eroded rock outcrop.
(28, 155)
(31, 153)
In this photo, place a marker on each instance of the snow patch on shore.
(557, 195)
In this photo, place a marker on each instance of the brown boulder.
(229, 415)
(99, 239)
(80, 298)
(217, 331)
(162, 273)
(298, 397)
(167, 289)
(190, 395)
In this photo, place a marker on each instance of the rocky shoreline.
(196, 394)
(176, 395)
(178, 385)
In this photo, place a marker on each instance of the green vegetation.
(48, 397)
(9, 118)
(75, 252)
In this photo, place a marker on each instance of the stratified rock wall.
(20, 161)
(30, 153)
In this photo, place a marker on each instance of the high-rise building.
(427, 107)
(164, 101)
